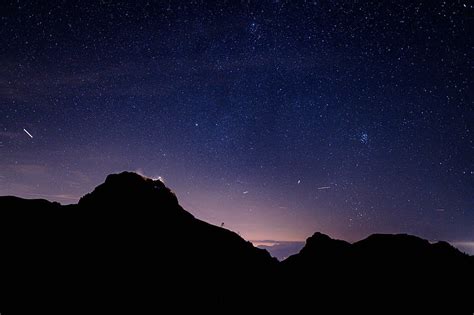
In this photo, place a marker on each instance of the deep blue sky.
(278, 118)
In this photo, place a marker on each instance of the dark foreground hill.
(383, 272)
(129, 245)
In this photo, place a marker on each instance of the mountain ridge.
(131, 231)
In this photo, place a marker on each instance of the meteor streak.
(29, 134)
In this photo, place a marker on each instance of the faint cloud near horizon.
(465, 246)
(55, 197)
(279, 249)
(10, 134)
(35, 180)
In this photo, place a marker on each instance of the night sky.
(277, 118)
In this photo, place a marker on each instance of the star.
(264, 91)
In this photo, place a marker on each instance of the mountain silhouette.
(129, 245)
(385, 272)
(125, 243)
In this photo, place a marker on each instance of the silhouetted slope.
(129, 245)
(150, 207)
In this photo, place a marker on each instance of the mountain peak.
(130, 190)
(320, 245)
(318, 237)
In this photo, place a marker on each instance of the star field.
(278, 118)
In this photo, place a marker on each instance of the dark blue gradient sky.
(278, 118)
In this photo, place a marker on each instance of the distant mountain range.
(129, 245)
